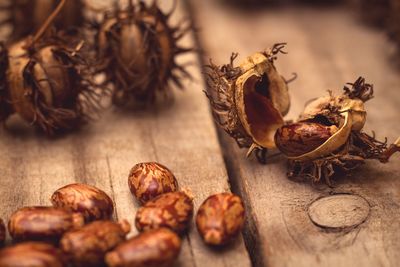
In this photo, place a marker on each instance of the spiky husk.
(66, 97)
(27, 16)
(139, 48)
(227, 97)
(358, 147)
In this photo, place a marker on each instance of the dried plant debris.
(139, 48)
(27, 16)
(48, 82)
(249, 100)
(328, 136)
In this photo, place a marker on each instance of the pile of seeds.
(78, 229)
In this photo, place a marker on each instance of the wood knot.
(339, 211)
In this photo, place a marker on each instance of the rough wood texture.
(181, 136)
(327, 48)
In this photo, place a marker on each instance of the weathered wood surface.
(181, 136)
(327, 48)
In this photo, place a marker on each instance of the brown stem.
(393, 148)
(48, 21)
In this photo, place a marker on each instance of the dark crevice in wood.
(251, 233)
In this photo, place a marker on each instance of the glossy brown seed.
(220, 218)
(154, 248)
(150, 179)
(2, 232)
(87, 246)
(42, 223)
(92, 202)
(173, 210)
(299, 138)
(31, 254)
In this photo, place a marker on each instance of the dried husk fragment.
(249, 100)
(139, 48)
(346, 148)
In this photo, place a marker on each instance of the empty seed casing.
(87, 246)
(2, 232)
(31, 254)
(150, 179)
(154, 248)
(220, 218)
(92, 202)
(173, 210)
(42, 223)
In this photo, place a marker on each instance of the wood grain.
(180, 135)
(327, 48)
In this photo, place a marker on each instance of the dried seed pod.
(220, 218)
(27, 16)
(150, 179)
(249, 101)
(30, 254)
(2, 233)
(49, 83)
(87, 246)
(173, 210)
(92, 202)
(42, 223)
(154, 248)
(139, 48)
(331, 136)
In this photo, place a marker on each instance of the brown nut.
(220, 218)
(150, 179)
(42, 223)
(154, 248)
(173, 210)
(302, 137)
(86, 246)
(31, 254)
(92, 202)
(2, 232)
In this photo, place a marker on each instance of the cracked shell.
(249, 101)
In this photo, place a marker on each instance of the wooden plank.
(181, 136)
(327, 48)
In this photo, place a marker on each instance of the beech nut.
(42, 223)
(31, 254)
(150, 179)
(2, 232)
(92, 202)
(220, 218)
(87, 246)
(173, 210)
(154, 248)
(299, 138)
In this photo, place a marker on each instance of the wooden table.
(327, 48)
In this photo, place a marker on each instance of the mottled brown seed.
(31, 254)
(88, 245)
(173, 210)
(2, 232)
(92, 202)
(302, 137)
(150, 179)
(154, 248)
(42, 223)
(220, 218)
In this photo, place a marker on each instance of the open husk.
(139, 48)
(346, 148)
(49, 83)
(249, 100)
